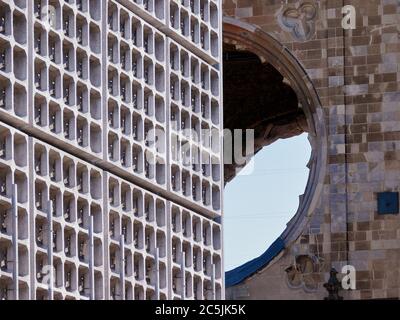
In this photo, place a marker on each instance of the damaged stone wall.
(356, 76)
(258, 98)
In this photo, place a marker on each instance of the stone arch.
(250, 38)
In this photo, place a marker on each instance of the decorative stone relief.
(301, 273)
(300, 21)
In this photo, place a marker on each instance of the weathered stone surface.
(256, 97)
(356, 75)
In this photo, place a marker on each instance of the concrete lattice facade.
(105, 205)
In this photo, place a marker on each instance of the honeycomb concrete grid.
(84, 90)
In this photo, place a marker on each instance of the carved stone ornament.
(300, 21)
(333, 286)
(301, 273)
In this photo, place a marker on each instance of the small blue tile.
(388, 203)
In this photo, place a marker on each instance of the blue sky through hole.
(259, 204)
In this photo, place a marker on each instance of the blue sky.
(258, 205)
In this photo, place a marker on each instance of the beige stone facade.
(356, 141)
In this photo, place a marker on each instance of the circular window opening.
(262, 197)
(267, 91)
